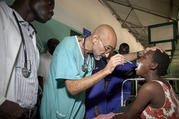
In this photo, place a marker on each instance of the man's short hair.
(124, 48)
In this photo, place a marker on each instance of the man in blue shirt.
(96, 95)
(120, 74)
(105, 96)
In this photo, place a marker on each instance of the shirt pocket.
(60, 115)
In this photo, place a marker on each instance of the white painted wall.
(89, 14)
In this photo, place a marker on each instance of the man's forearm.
(77, 86)
(133, 56)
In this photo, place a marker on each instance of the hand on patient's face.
(113, 62)
(153, 49)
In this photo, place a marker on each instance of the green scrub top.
(57, 102)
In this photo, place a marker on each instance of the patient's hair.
(163, 61)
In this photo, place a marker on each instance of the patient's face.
(143, 64)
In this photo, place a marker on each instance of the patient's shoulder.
(151, 88)
(150, 85)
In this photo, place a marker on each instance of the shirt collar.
(18, 16)
(20, 19)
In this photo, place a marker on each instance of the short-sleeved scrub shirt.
(57, 102)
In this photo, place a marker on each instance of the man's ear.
(153, 66)
(95, 39)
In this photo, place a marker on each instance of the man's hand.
(105, 116)
(10, 110)
(153, 49)
(96, 111)
(113, 62)
(117, 116)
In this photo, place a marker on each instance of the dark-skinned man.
(19, 56)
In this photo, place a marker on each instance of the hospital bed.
(136, 80)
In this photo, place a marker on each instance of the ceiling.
(137, 15)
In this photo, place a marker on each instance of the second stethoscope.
(25, 71)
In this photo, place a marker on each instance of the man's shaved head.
(107, 34)
(103, 41)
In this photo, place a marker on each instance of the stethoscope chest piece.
(84, 67)
(26, 72)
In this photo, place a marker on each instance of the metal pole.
(166, 17)
(127, 16)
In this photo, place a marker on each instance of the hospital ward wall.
(89, 14)
(79, 14)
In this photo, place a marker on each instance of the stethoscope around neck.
(85, 64)
(84, 67)
(25, 71)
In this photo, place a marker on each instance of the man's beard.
(97, 57)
